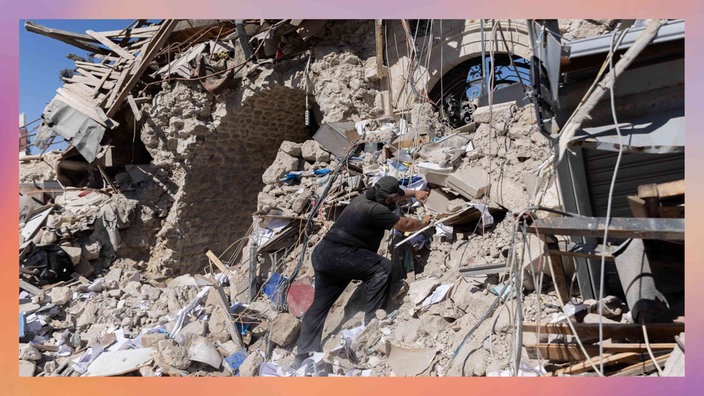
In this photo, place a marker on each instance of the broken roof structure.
(208, 157)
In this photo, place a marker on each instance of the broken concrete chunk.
(366, 339)
(309, 150)
(151, 340)
(112, 279)
(409, 362)
(284, 329)
(291, 148)
(183, 280)
(91, 251)
(471, 183)
(282, 164)
(74, 253)
(88, 316)
(60, 295)
(419, 290)
(250, 366)
(195, 328)
(28, 352)
(300, 202)
(501, 112)
(173, 354)
(217, 325)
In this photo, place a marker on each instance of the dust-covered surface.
(237, 173)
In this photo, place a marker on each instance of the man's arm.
(409, 224)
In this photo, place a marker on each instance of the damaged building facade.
(207, 158)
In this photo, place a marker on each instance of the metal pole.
(252, 269)
(481, 27)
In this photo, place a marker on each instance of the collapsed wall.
(214, 149)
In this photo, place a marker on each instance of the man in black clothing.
(348, 252)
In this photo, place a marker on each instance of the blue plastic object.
(235, 360)
(272, 288)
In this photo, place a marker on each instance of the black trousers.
(335, 266)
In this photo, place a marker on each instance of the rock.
(28, 352)
(291, 148)
(281, 165)
(250, 366)
(133, 289)
(300, 202)
(284, 329)
(130, 276)
(501, 112)
(309, 150)
(73, 252)
(91, 251)
(88, 316)
(151, 340)
(594, 318)
(183, 280)
(173, 354)
(367, 338)
(112, 279)
(150, 292)
(419, 290)
(217, 325)
(195, 328)
(60, 295)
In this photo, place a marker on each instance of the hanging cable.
(608, 207)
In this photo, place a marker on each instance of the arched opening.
(466, 86)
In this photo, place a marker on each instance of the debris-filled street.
(541, 232)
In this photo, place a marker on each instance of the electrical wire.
(650, 350)
(608, 208)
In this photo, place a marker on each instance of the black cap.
(387, 185)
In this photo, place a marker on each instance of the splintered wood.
(619, 358)
(99, 89)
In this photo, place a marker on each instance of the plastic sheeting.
(84, 133)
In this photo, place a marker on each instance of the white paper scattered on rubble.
(438, 295)
(443, 230)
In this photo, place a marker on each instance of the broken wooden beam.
(563, 352)
(619, 227)
(643, 368)
(606, 359)
(656, 331)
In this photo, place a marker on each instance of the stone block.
(60, 295)
(250, 366)
(285, 329)
(501, 112)
(291, 148)
(151, 340)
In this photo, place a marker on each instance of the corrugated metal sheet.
(635, 169)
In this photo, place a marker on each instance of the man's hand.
(421, 195)
(426, 220)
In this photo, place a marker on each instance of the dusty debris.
(112, 259)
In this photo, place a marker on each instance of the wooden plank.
(142, 63)
(116, 89)
(637, 206)
(217, 262)
(80, 89)
(671, 189)
(643, 368)
(110, 44)
(619, 227)
(133, 106)
(608, 359)
(557, 272)
(648, 191)
(656, 331)
(77, 40)
(150, 30)
(560, 352)
(30, 288)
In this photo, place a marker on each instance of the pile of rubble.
(193, 325)
(113, 280)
